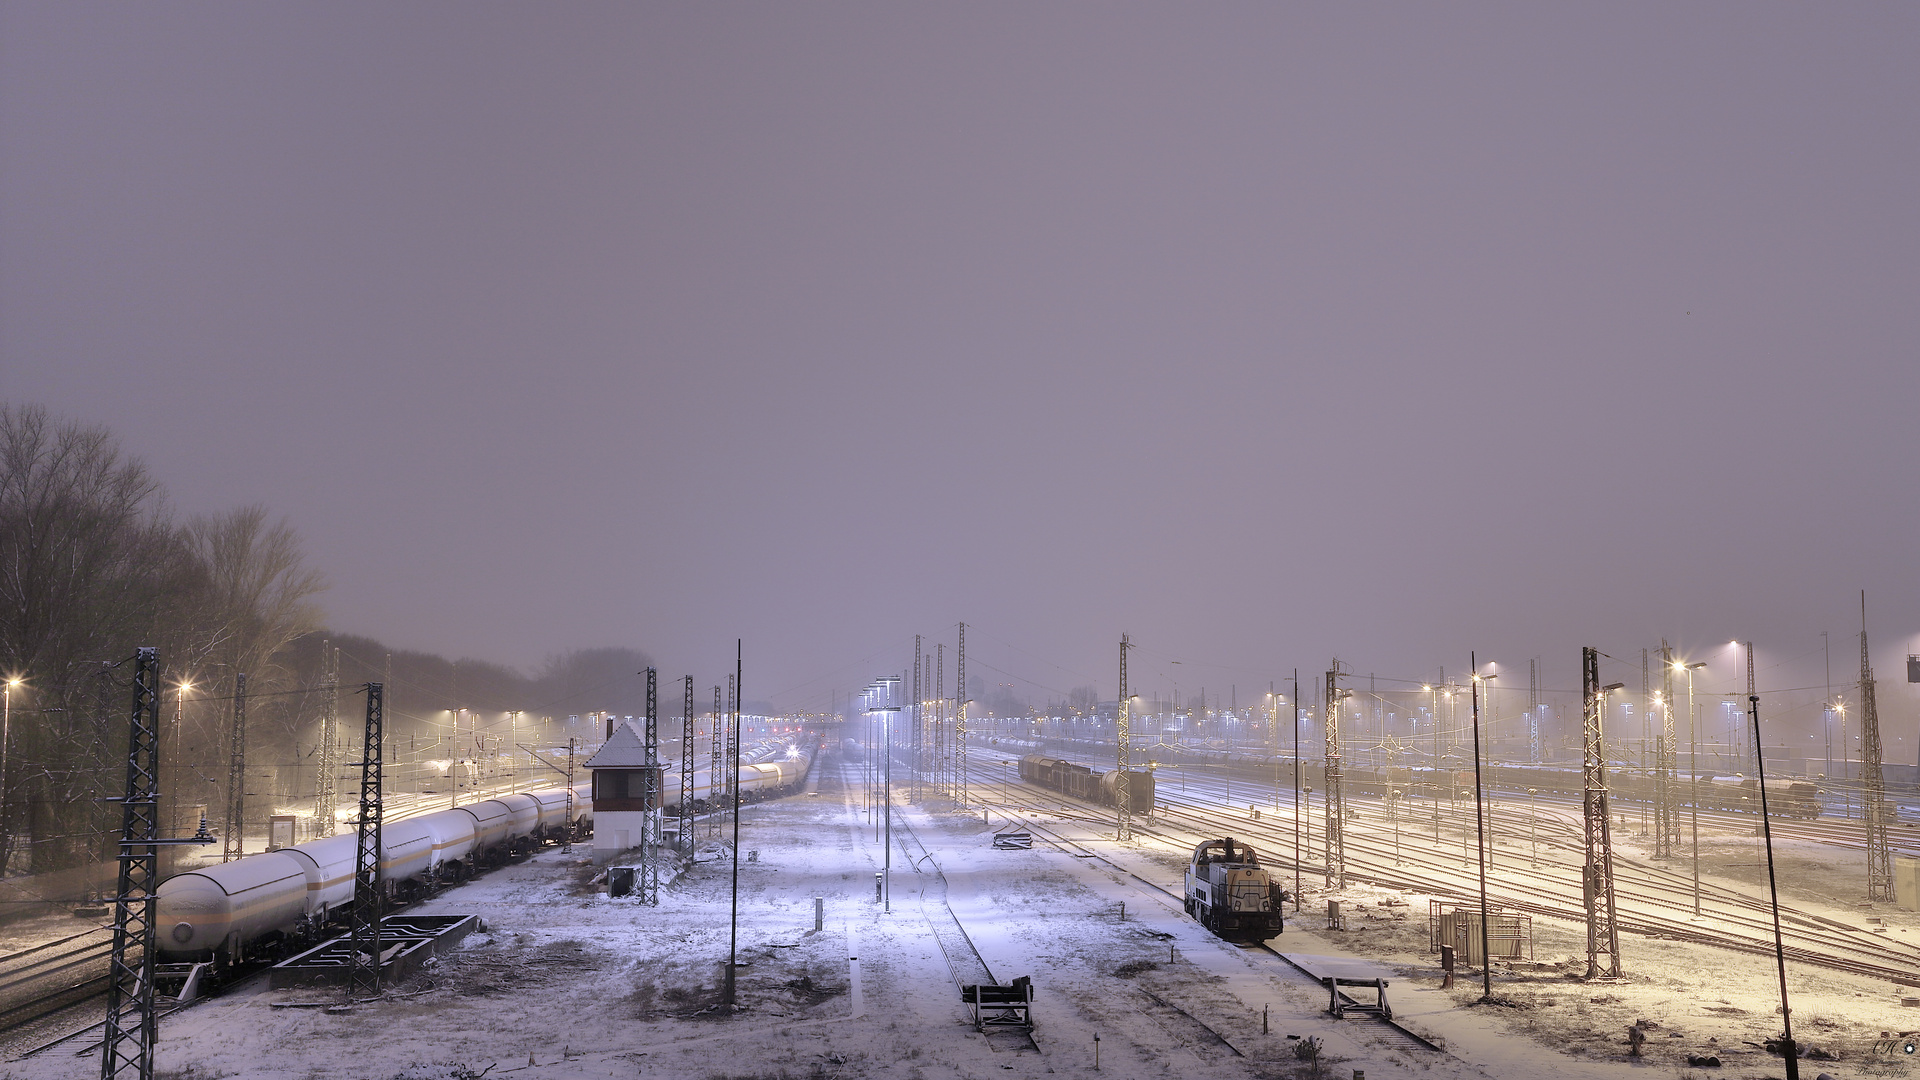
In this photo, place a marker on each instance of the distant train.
(778, 766)
(1786, 797)
(1082, 782)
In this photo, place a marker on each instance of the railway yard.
(565, 981)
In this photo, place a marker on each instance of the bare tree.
(256, 600)
(89, 569)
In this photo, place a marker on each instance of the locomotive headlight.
(182, 932)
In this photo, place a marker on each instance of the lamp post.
(886, 723)
(513, 743)
(1533, 826)
(1693, 771)
(6, 730)
(1393, 814)
(179, 732)
(1296, 790)
(1480, 833)
(1433, 767)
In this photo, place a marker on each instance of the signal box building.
(621, 806)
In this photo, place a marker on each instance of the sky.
(1263, 333)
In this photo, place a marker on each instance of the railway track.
(1654, 902)
(38, 984)
(964, 963)
(1395, 1033)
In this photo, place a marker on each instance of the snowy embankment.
(568, 983)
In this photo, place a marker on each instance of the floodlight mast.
(1787, 1048)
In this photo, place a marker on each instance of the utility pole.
(1603, 932)
(1123, 780)
(651, 788)
(1336, 870)
(364, 978)
(326, 803)
(1879, 857)
(236, 772)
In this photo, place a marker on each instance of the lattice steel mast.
(1533, 710)
(131, 1025)
(686, 772)
(236, 773)
(1336, 805)
(1666, 829)
(716, 817)
(326, 801)
(960, 722)
(650, 786)
(1879, 856)
(1603, 931)
(573, 821)
(1123, 785)
(364, 978)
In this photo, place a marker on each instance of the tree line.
(94, 564)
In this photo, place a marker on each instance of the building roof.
(624, 751)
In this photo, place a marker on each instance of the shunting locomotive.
(1231, 894)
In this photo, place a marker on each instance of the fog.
(1266, 334)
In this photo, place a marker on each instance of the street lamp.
(1533, 826)
(1693, 770)
(513, 743)
(1480, 839)
(1393, 814)
(179, 732)
(6, 729)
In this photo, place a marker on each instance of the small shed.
(621, 804)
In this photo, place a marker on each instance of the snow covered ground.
(569, 983)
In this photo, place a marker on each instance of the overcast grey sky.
(1267, 333)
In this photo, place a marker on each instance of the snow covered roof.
(624, 751)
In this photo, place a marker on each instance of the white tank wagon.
(222, 911)
(256, 906)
